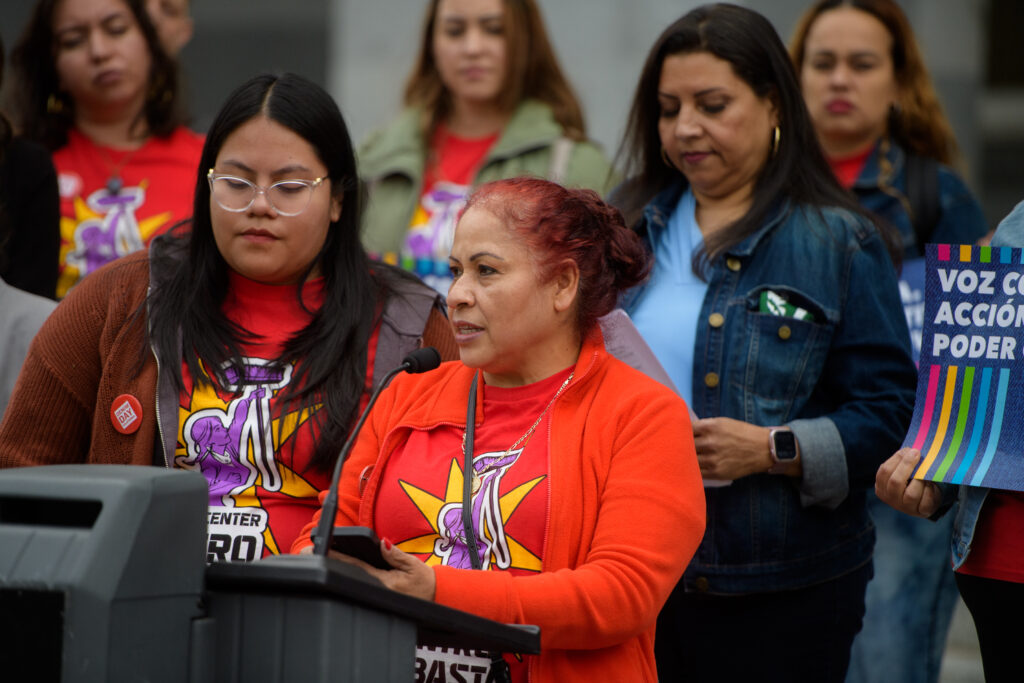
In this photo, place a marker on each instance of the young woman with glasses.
(240, 346)
(485, 100)
(94, 85)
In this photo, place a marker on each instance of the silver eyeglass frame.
(212, 176)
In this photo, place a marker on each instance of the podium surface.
(103, 578)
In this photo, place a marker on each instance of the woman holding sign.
(887, 139)
(774, 307)
(988, 547)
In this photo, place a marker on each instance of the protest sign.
(968, 421)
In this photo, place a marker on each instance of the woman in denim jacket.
(986, 550)
(883, 131)
(875, 112)
(774, 307)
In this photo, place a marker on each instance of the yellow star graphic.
(430, 506)
(206, 396)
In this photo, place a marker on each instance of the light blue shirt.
(667, 311)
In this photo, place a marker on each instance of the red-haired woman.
(485, 100)
(587, 502)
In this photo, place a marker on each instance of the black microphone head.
(422, 360)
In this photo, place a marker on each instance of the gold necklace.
(520, 440)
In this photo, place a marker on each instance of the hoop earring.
(666, 160)
(54, 104)
(776, 136)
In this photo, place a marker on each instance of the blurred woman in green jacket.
(486, 100)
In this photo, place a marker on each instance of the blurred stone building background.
(361, 51)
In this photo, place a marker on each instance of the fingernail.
(387, 544)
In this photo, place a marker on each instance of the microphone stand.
(420, 360)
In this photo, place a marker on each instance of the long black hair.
(330, 353)
(45, 113)
(797, 170)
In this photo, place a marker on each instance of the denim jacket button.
(785, 332)
(732, 263)
(716, 319)
(702, 584)
(711, 379)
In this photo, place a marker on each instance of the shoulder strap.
(561, 149)
(923, 196)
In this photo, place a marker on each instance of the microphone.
(420, 360)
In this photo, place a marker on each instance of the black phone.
(359, 542)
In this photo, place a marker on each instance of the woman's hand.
(894, 486)
(409, 575)
(730, 449)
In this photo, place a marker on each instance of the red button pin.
(126, 414)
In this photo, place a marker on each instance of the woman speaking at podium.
(584, 498)
(241, 345)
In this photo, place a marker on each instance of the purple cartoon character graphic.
(492, 543)
(115, 234)
(434, 239)
(234, 446)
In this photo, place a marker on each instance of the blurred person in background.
(173, 22)
(485, 100)
(29, 212)
(887, 139)
(94, 85)
(880, 122)
(774, 307)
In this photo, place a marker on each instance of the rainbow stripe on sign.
(967, 430)
(983, 428)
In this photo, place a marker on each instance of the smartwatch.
(782, 445)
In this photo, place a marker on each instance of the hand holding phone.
(359, 542)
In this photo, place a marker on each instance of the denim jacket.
(1010, 233)
(844, 382)
(961, 220)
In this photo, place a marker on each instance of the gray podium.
(103, 578)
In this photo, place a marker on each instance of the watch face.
(785, 444)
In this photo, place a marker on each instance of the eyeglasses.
(288, 197)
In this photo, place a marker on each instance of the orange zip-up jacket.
(626, 513)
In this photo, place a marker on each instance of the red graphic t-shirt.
(261, 490)
(419, 505)
(446, 184)
(154, 186)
